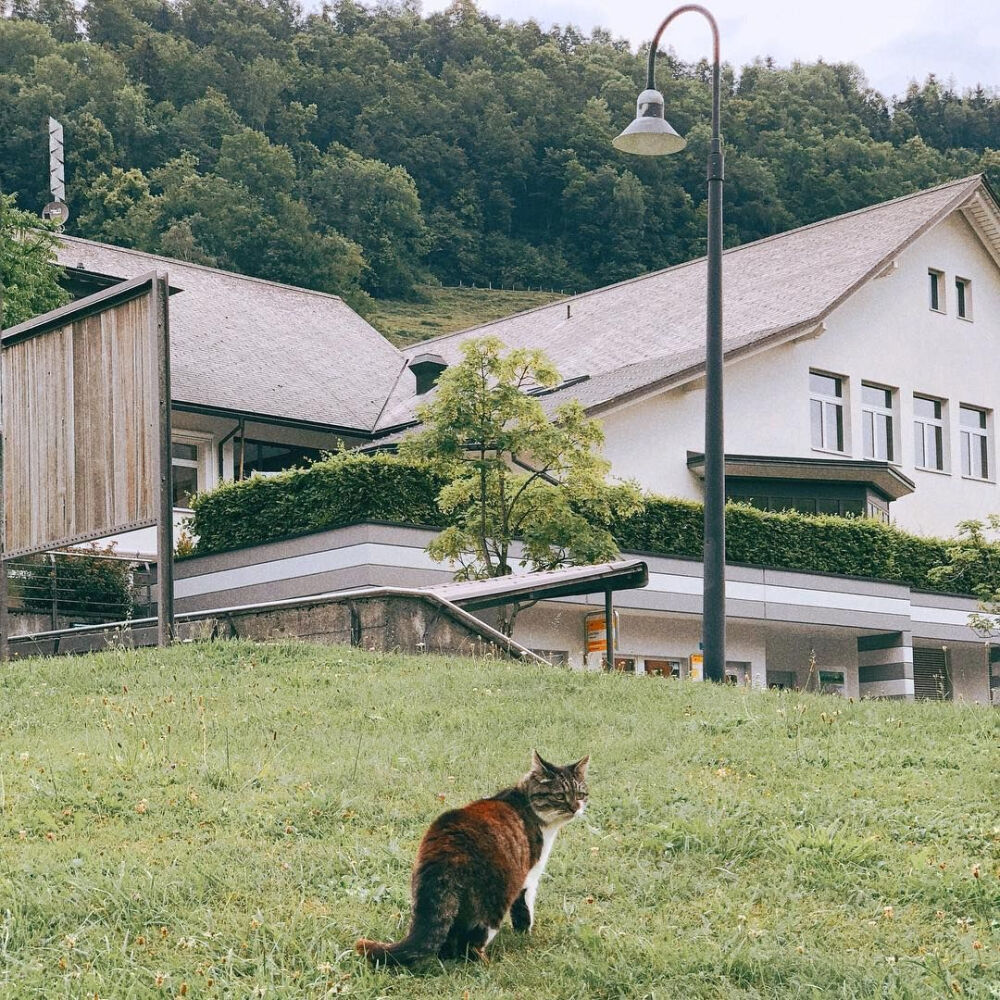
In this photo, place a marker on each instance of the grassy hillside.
(446, 310)
(225, 820)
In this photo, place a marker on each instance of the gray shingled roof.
(254, 346)
(631, 336)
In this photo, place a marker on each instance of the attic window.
(963, 293)
(936, 279)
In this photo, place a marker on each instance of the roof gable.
(646, 331)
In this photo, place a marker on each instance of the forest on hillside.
(364, 150)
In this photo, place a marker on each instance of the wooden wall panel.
(80, 424)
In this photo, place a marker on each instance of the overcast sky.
(894, 41)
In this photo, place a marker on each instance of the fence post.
(54, 593)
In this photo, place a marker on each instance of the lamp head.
(650, 134)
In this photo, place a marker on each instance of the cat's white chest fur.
(534, 876)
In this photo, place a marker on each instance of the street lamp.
(651, 135)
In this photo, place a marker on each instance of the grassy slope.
(217, 818)
(446, 310)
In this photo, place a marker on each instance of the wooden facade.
(80, 403)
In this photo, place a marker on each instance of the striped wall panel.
(885, 666)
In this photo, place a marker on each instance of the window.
(826, 411)
(268, 457)
(928, 433)
(936, 279)
(963, 298)
(186, 464)
(975, 444)
(657, 667)
(831, 682)
(557, 657)
(192, 470)
(624, 664)
(876, 422)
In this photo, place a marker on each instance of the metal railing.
(79, 587)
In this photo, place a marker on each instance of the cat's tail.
(429, 929)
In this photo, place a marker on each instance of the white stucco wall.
(885, 333)
(555, 626)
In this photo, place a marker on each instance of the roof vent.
(427, 368)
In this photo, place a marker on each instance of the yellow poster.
(697, 670)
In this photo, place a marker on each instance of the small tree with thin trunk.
(973, 566)
(515, 471)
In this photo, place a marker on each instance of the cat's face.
(557, 794)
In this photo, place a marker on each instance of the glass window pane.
(936, 458)
(825, 384)
(885, 436)
(868, 430)
(833, 431)
(185, 485)
(966, 454)
(919, 455)
(969, 416)
(960, 292)
(876, 395)
(924, 407)
(983, 470)
(187, 452)
(816, 416)
(933, 275)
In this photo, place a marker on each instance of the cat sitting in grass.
(479, 863)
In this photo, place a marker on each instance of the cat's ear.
(541, 766)
(580, 767)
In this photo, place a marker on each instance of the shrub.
(351, 487)
(343, 489)
(86, 584)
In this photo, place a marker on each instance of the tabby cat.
(478, 863)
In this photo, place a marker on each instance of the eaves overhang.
(570, 581)
(881, 476)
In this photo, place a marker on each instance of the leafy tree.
(378, 207)
(516, 472)
(974, 566)
(117, 208)
(28, 280)
(457, 144)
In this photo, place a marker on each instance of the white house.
(862, 376)
(862, 364)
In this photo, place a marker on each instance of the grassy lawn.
(446, 310)
(223, 820)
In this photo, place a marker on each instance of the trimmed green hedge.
(344, 489)
(350, 487)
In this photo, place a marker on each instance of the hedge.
(344, 489)
(351, 487)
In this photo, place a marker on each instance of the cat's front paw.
(520, 915)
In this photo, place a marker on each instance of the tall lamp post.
(651, 135)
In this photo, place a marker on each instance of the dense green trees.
(28, 284)
(364, 150)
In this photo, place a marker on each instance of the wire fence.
(80, 587)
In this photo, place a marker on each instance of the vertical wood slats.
(80, 420)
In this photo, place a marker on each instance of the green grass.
(220, 819)
(446, 310)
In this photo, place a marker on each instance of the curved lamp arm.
(655, 44)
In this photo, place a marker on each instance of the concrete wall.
(885, 333)
(388, 622)
(968, 666)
